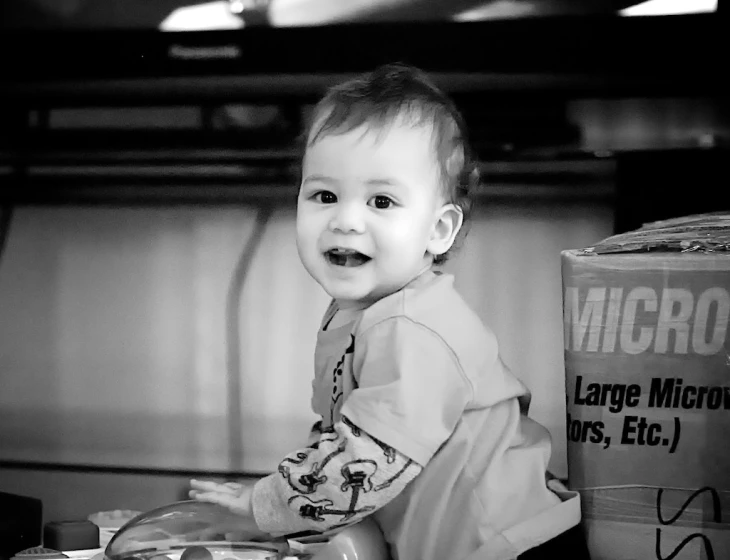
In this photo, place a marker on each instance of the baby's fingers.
(210, 497)
(204, 485)
(232, 488)
(195, 494)
(232, 503)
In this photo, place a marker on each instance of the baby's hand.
(233, 496)
(236, 498)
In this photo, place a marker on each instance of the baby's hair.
(394, 91)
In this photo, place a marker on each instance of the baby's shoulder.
(438, 307)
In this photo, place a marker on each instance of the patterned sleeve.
(343, 477)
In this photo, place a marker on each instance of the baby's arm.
(341, 478)
(237, 497)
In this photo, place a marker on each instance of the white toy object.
(193, 530)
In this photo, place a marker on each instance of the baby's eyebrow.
(384, 182)
(317, 178)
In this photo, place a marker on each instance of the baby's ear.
(446, 226)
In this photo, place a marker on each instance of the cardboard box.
(647, 358)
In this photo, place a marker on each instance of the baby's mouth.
(346, 257)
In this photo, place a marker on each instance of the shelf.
(657, 55)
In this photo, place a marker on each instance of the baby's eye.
(325, 197)
(382, 202)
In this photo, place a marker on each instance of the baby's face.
(367, 209)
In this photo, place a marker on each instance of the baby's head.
(396, 93)
(386, 178)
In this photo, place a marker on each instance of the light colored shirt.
(418, 377)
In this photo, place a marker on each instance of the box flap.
(695, 233)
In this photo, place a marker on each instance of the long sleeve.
(342, 477)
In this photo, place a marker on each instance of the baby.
(422, 425)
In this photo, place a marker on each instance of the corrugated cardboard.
(647, 363)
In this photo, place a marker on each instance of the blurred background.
(155, 321)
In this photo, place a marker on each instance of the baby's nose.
(348, 218)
